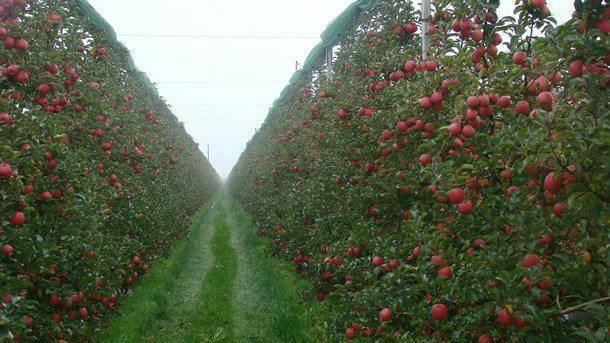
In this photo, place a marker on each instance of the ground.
(218, 285)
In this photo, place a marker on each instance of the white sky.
(242, 77)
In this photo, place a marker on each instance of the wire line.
(218, 105)
(216, 36)
(218, 82)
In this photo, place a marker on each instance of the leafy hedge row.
(463, 197)
(97, 177)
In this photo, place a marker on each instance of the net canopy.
(335, 32)
(103, 25)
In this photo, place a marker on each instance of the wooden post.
(329, 62)
(425, 45)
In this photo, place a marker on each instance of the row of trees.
(97, 177)
(462, 197)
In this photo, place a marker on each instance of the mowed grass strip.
(220, 284)
(267, 293)
(159, 309)
(214, 320)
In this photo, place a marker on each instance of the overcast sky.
(221, 88)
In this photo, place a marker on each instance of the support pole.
(329, 63)
(209, 153)
(425, 44)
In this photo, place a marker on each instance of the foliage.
(97, 177)
(478, 178)
(220, 285)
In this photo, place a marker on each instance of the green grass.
(266, 291)
(214, 319)
(161, 302)
(218, 285)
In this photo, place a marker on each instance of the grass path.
(218, 285)
(265, 293)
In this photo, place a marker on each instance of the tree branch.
(577, 307)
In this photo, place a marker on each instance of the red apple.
(454, 129)
(410, 66)
(439, 311)
(504, 317)
(425, 102)
(468, 131)
(519, 57)
(522, 107)
(485, 338)
(465, 207)
(445, 272)
(575, 68)
(28, 321)
(437, 259)
(385, 314)
(559, 209)
(477, 35)
(436, 97)
(350, 333)
(519, 322)
(43, 88)
(7, 250)
(9, 43)
(425, 159)
(545, 98)
(456, 195)
(53, 17)
(473, 101)
(18, 218)
(377, 260)
(504, 101)
(552, 183)
(6, 119)
(431, 65)
(21, 44)
(531, 260)
(5, 171)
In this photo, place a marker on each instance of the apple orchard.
(462, 197)
(458, 197)
(97, 177)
